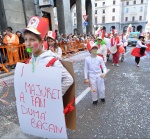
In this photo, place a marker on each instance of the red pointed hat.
(38, 25)
(51, 34)
(90, 45)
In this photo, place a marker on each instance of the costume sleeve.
(67, 79)
(85, 69)
(140, 44)
(105, 53)
(103, 66)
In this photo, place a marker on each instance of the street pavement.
(126, 113)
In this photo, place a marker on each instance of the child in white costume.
(96, 77)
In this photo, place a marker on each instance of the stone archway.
(112, 28)
(88, 7)
(125, 29)
(133, 28)
(139, 28)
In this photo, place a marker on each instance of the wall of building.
(16, 13)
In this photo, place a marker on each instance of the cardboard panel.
(68, 97)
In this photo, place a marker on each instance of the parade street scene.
(75, 69)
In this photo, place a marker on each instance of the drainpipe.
(25, 16)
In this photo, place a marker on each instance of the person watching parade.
(12, 41)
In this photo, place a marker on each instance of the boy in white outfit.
(96, 77)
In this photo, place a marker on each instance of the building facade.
(134, 12)
(117, 14)
(16, 13)
(107, 14)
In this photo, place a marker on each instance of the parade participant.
(148, 49)
(96, 77)
(12, 40)
(52, 46)
(114, 49)
(102, 48)
(139, 50)
(34, 35)
(107, 41)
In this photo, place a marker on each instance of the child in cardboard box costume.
(34, 35)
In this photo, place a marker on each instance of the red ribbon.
(69, 107)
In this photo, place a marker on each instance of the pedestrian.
(21, 39)
(34, 35)
(114, 49)
(139, 50)
(12, 41)
(96, 77)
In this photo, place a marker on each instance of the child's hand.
(103, 75)
(86, 81)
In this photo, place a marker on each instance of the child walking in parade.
(139, 50)
(93, 74)
(34, 35)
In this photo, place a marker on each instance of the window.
(75, 21)
(134, 9)
(140, 18)
(134, 2)
(114, 2)
(113, 18)
(133, 18)
(113, 10)
(75, 14)
(95, 4)
(103, 11)
(141, 9)
(103, 19)
(142, 1)
(95, 20)
(103, 3)
(95, 11)
(126, 19)
(127, 3)
(127, 10)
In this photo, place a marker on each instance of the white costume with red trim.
(92, 68)
(43, 59)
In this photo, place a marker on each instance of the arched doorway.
(112, 28)
(133, 28)
(125, 29)
(139, 28)
(88, 7)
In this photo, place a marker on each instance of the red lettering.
(33, 124)
(45, 126)
(22, 97)
(39, 90)
(38, 102)
(35, 114)
(52, 127)
(58, 130)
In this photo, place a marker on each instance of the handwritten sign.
(39, 101)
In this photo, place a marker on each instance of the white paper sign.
(39, 101)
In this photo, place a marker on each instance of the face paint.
(29, 50)
(35, 45)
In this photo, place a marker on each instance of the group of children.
(94, 69)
